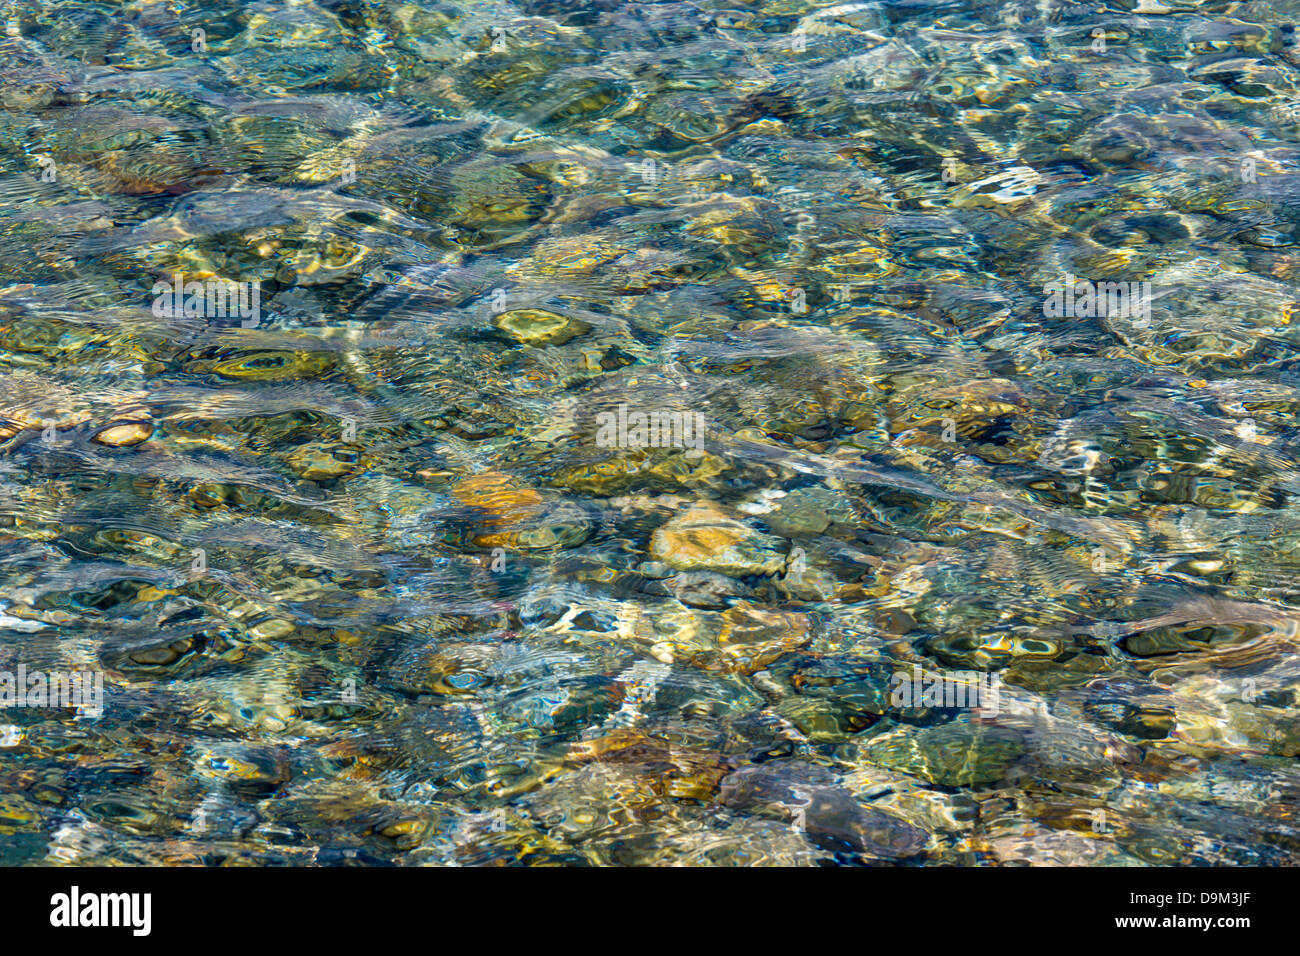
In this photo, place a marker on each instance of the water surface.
(649, 424)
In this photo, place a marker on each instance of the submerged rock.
(705, 538)
(817, 803)
(124, 435)
(540, 327)
(955, 754)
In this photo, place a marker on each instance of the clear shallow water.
(387, 569)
